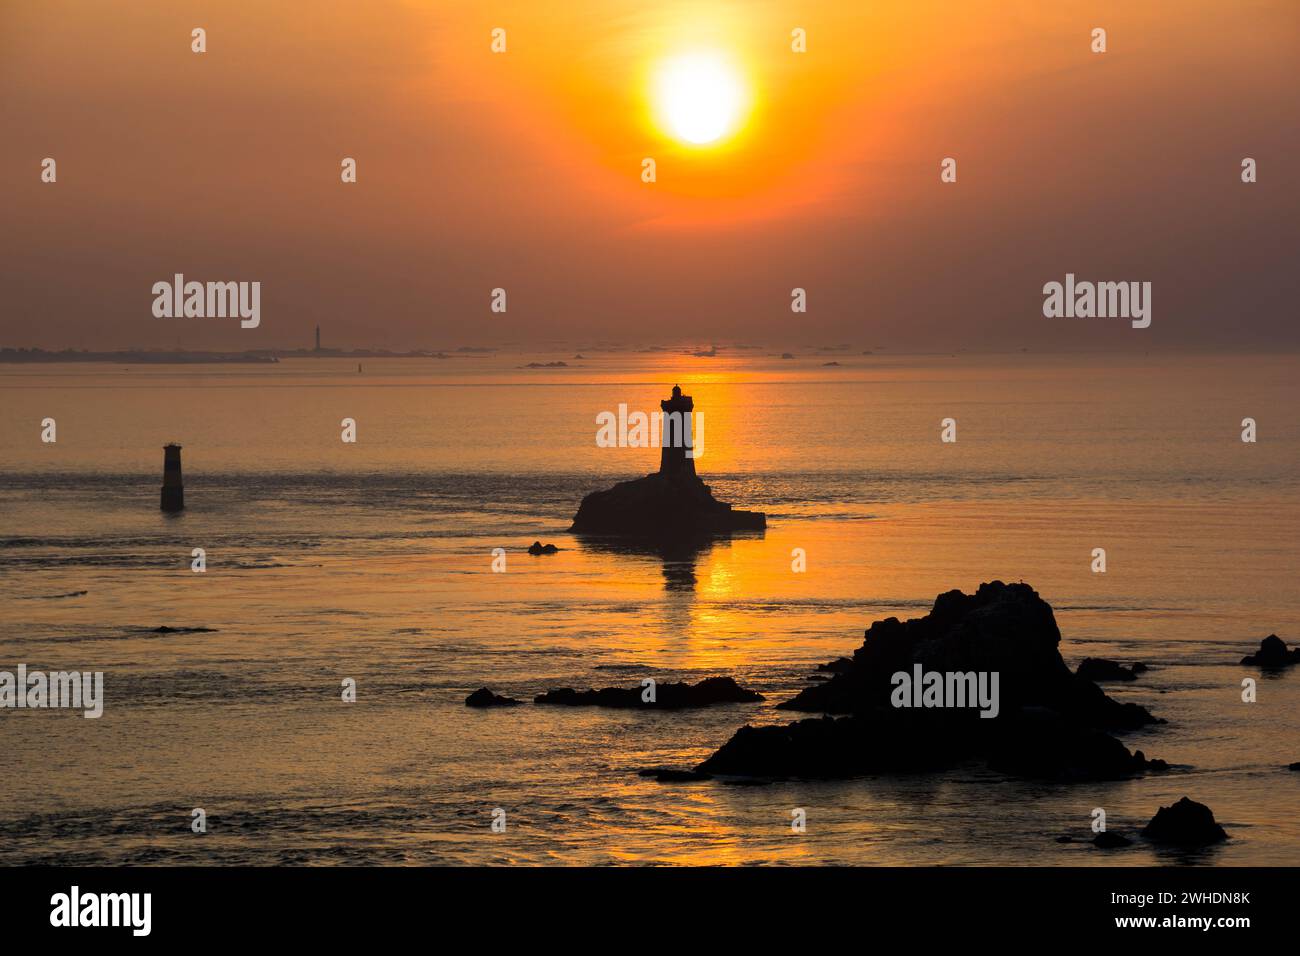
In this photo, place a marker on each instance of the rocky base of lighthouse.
(660, 507)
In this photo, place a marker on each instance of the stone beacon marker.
(173, 489)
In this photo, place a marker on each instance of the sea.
(397, 565)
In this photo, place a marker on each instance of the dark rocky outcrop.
(485, 698)
(1293, 766)
(1186, 823)
(1005, 628)
(1050, 722)
(838, 666)
(661, 506)
(710, 691)
(1273, 652)
(1100, 669)
(538, 548)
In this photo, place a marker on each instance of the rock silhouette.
(1101, 669)
(1273, 653)
(1186, 823)
(1108, 840)
(672, 503)
(711, 690)
(1051, 723)
(485, 698)
(673, 775)
(538, 548)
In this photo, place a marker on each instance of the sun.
(699, 98)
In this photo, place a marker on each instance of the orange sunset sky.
(522, 170)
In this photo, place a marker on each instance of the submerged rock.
(1101, 669)
(674, 775)
(1273, 653)
(485, 698)
(672, 503)
(1106, 840)
(1043, 721)
(538, 548)
(1186, 823)
(710, 691)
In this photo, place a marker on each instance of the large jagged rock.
(1185, 823)
(1273, 653)
(1005, 628)
(661, 506)
(1050, 723)
(710, 691)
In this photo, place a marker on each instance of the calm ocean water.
(373, 561)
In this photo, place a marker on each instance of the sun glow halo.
(698, 97)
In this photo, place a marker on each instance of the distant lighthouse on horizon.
(318, 338)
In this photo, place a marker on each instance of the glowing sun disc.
(698, 97)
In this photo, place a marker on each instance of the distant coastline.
(185, 357)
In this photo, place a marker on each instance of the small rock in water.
(485, 698)
(1186, 823)
(1099, 669)
(674, 775)
(711, 690)
(1273, 653)
(1107, 840)
(538, 548)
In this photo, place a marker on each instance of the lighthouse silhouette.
(173, 489)
(676, 437)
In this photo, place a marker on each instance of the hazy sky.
(522, 170)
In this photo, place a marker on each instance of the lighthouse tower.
(173, 489)
(675, 437)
